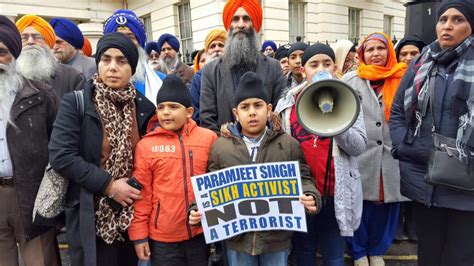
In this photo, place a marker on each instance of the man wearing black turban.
(116, 116)
(27, 114)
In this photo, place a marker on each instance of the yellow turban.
(215, 35)
(41, 25)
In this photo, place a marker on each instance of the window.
(354, 24)
(147, 23)
(185, 32)
(297, 13)
(388, 25)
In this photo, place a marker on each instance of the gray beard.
(214, 56)
(168, 64)
(140, 72)
(37, 63)
(241, 51)
(10, 81)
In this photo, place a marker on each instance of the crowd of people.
(146, 114)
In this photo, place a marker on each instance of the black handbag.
(446, 169)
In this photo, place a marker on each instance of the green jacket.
(275, 147)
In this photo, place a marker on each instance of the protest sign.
(247, 198)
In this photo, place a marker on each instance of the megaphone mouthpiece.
(325, 101)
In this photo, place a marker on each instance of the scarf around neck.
(463, 82)
(391, 73)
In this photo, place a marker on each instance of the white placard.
(247, 198)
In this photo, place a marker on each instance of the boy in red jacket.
(165, 160)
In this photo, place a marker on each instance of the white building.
(191, 20)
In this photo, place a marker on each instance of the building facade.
(191, 20)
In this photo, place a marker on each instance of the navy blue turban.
(126, 18)
(151, 46)
(170, 39)
(269, 43)
(68, 31)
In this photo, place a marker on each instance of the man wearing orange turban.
(213, 49)
(36, 60)
(220, 78)
(40, 25)
(252, 7)
(214, 44)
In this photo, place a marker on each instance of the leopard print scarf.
(116, 111)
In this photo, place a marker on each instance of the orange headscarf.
(41, 25)
(251, 6)
(87, 48)
(391, 73)
(197, 58)
(214, 35)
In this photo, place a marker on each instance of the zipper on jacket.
(191, 162)
(254, 242)
(186, 199)
(157, 214)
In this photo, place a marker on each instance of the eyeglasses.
(4, 52)
(154, 56)
(35, 37)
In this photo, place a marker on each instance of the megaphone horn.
(327, 107)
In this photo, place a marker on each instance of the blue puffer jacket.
(413, 157)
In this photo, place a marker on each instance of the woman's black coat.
(75, 151)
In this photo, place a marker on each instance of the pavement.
(401, 253)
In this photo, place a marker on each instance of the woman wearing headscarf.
(94, 150)
(408, 48)
(199, 60)
(437, 96)
(376, 80)
(345, 52)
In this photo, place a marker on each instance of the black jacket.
(33, 112)
(75, 152)
(413, 157)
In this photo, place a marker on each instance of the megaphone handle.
(326, 187)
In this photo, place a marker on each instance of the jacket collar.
(186, 130)
(226, 75)
(236, 132)
(144, 108)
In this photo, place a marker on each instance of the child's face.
(294, 61)
(317, 63)
(253, 114)
(172, 115)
